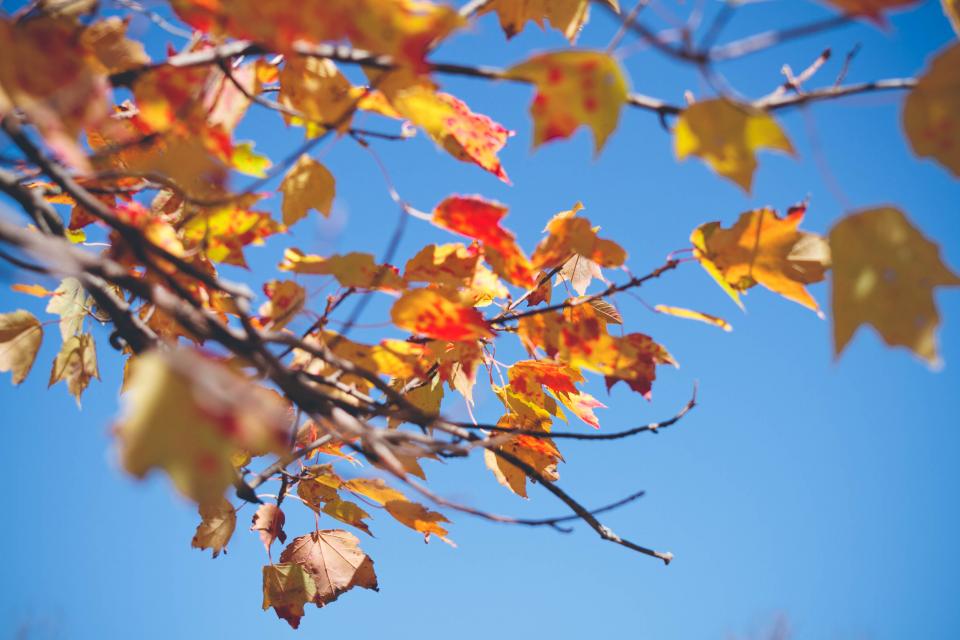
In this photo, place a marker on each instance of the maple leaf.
(568, 16)
(223, 232)
(188, 415)
(404, 511)
(440, 315)
(76, 364)
(353, 269)
(218, 521)
(726, 135)
(467, 136)
(763, 248)
(308, 185)
(404, 29)
(451, 265)
(285, 300)
(539, 453)
(334, 561)
(20, 338)
(884, 275)
(315, 88)
(287, 587)
(571, 236)
(268, 523)
(476, 218)
(930, 111)
(45, 72)
(527, 376)
(574, 88)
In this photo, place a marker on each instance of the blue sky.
(818, 490)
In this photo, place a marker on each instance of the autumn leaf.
(690, 314)
(308, 185)
(189, 414)
(476, 218)
(76, 364)
(218, 521)
(285, 300)
(404, 29)
(268, 523)
(287, 587)
(353, 269)
(538, 453)
(567, 16)
(223, 232)
(872, 9)
(527, 376)
(884, 274)
(315, 88)
(112, 51)
(69, 301)
(930, 111)
(20, 338)
(727, 135)
(467, 136)
(574, 88)
(419, 518)
(570, 236)
(334, 561)
(763, 248)
(45, 71)
(438, 315)
(451, 265)
(35, 290)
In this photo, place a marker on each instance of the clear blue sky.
(822, 491)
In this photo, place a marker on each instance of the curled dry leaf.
(218, 522)
(268, 523)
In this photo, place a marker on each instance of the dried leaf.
(20, 338)
(76, 364)
(268, 523)
(287, 587)
(218, 521)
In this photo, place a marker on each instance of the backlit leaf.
(567, 16)
(727, 135)
(287, 587)
(308, 185)
(268, 523)
(574, 88)
(69, 302)
(76, 364)
(884, 274)
(690, 314)
(570, 236)
(438, 315)
(353, 269)
(763, 248)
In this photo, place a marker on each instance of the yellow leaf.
(224, 232)
(690, 314)
(930, 112)
(419, 518)
(33, 290)
(574, 88)
(308, 185)
(538, 453)
(69, 302)
(467, 136)
(189, 414)
(568, 16)
(763, 248)
(375, 489)
(245, 160)
(351, 270)
(285, 300)
(573, 236)
(218, 521)
(317, 89)
(76, 364)
(727, 135)
(20, 338)
(884, 274)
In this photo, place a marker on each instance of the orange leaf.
(438, 315)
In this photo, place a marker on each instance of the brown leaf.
(219, 519)
(268, 522)
(334, 560)
(20, 337)
(286, 588)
